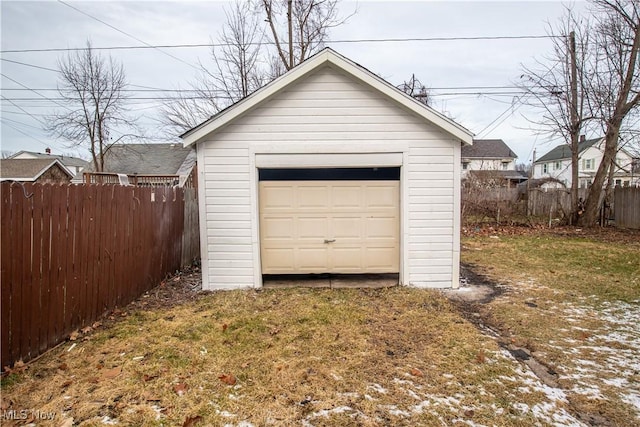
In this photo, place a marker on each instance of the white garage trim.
(343, 160)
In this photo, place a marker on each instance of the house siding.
(329, 113)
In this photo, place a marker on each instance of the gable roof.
(488, 148)
(326, 56)
(149, 159)
(65, 160)
(28, 169)
(563, 151)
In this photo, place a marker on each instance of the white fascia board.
(327, 56)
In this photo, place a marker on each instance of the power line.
(32, 90)
(22, 109)
(213, 45)
(29, 65)
(147, 89)
(20, 123)
(127, 34)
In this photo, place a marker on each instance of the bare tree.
(236, 71)
(557, 86)
(298, 28)
(92, 89)
(416, 89)
(614, 87)
(243, 59)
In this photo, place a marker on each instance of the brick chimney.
(47, 150)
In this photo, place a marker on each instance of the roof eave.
(326, 56)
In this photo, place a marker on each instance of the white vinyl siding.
(330, 113)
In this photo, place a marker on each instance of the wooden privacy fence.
(627, 207)
(70, 253)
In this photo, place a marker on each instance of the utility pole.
(576, 125)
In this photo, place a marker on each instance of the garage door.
(330, 226)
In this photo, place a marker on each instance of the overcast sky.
(444, 66)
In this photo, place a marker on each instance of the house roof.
(563, 151)
(149, 159)
(65, 160)
(27, 169)
(509, 174)
(326, 57)
(488, 148)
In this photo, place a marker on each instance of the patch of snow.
(109, 421)
(377, 388)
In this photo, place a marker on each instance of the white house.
(490, 160)
(488, 154)
(329, 169)
(557, 164)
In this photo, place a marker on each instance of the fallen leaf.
(66, 384)
(469, 413)
(63, 367)
(224, 327)
(111, 373)
(480, 357)
(86, 330)
(149, 377)
(180, 388)
(228, 379)
(245, 365)
(416, 372)
(74, 336)
(96, 324)
(191, 421)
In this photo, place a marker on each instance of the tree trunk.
(595, 193)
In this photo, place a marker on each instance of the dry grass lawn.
(370, 357)
(574, 301)
(313, 357)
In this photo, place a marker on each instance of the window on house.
(588, 164)
(505, 166)
(618, 183)
(557, 165)
(545, 168)
(465, 165)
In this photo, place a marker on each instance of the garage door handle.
(329, 240)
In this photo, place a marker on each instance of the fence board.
(5, 274)
(72, 252)
(627, 207)
(17, 203)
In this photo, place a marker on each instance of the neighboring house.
(41, 171)
(329, 169)
(147, 164)
(75, 165)
(488, 154)
(557, 164)
(490, 163)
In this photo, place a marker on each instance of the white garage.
(329, 169)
